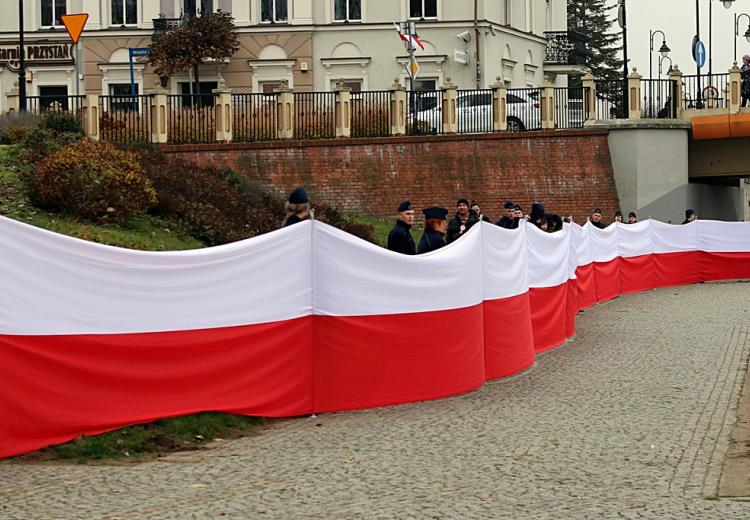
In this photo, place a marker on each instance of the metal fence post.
(675, 75)
(735, 88)
(343, 113)
(398, 109)
(159, 131)
(548, 106)
(634, 95)
(223, 113)
(499, 105)
(449, 96)
(285, 111)
(589, 97)
(91, 116)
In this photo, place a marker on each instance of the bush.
(14, 125)
(61, 123)
(94, 181)
(37, 144)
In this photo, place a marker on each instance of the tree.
(198, 39)
(597, 20)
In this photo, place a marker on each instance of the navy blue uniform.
(430, 241)
(400, 239)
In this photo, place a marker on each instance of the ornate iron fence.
(314, 115)
(570, 107)
(523, 109)
(125, 119)
(70, 104)
(474, 111)
(659, 99)
(371, 113)
(610, 99)
(425, 112)
(255, 117)
(191, 118)
(702, 92)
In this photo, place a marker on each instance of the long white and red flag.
(305, 319)
(411, 41)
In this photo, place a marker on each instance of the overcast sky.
(677, 19)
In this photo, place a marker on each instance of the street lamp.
(737, 31)
(21, 61)
(662, 59)
(663, 50)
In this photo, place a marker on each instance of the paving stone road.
(629, 420)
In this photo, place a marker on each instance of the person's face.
(596, 217)
(442, 227)
(517, 213)
(476, 209)
(632, 220)
(407, 216)
(510, 212)
(692, 217)
(462, 209)
(544, 226)
(618, 218)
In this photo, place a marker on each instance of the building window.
(273, 11)
(122, 99)
(203, 98)
(52, 10)
(423, 8)
(347, 10)
(195, 7)
(53, 97)
(124, 12)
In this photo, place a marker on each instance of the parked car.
(474, 111)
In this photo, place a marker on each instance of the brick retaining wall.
(569, 171)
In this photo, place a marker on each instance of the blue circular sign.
(700, 54)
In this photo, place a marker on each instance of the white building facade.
(310, 44)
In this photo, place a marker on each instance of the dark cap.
(462, 201)
(405, 206)
(473, 203)
(632, 214)
(598, 210)
(689, 212)
(298, 196)
(517, 208)
(435, 212)
(537, 210)
(509, 205)
(618, 213)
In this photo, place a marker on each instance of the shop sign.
(37, 53)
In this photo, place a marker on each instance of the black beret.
(689, 212)
(598, 210)
(298, 196)
(462, 201)
(405, 206)
(618, 213)
(632, 214)
(537, 210)
(517, 208)
(509, 205)
(435, 212)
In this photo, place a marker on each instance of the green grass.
(189, 432)
(381, 228)
(146, 233)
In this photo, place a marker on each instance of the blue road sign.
(700, 54)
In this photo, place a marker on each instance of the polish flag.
(306, 319)
(415, 42)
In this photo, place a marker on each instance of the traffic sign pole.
(74, 24)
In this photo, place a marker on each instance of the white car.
(474, 111)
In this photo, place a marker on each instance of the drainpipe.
(476, 43)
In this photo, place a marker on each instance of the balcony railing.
(566, 48)
(162, 25)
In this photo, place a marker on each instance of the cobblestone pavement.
(629, 420)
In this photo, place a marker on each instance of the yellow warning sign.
(74, 24)
(412, 68)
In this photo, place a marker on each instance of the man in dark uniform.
(537, 214)
(596, 219)
(517, 216)
(462, 222)
(507, 221)
(400, 239)
(689, 216)
(632, 218)
(435, 226)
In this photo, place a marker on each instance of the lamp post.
(661, 59)
(21, 61)
(622, 21)
(663, 50)
(737, 31)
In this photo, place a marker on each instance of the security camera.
(465, 36)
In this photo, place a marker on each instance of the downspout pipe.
(476, 43)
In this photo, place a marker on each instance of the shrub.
(94, 181)
(61, 122)
(15, 125)
(37, 144)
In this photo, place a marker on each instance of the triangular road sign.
(74, 24)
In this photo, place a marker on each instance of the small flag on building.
(411, 41)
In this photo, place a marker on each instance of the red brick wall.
(570, 172)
